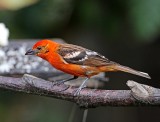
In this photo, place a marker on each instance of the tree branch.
(88, 98)
(13, 63)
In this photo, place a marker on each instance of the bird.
(77, 61)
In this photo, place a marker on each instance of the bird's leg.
(62, 81)
(77, 92)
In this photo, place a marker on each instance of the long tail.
(119, 67)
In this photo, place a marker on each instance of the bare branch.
(13, 63)
(88, 98)
(144, 93)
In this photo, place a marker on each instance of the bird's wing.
(78, 55)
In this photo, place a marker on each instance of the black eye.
(39, 48)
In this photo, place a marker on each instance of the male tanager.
(77, 61)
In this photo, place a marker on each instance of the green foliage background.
(127, 31)
(139, 19)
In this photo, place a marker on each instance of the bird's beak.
(31, 52)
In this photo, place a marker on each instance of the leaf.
(145, 17)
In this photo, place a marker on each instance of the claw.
(77, 92)
(57, 83)
(64, 89)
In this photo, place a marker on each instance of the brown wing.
(78, 55)
(98, 60)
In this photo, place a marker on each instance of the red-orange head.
(42, 48)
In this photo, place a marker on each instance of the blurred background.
(126, 32)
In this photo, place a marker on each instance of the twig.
(88, 98)
(85, 113)
(144, 93)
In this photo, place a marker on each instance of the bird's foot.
(57, 83)
(62, 81)
(83, 85)
(64, 89)
(77, 91)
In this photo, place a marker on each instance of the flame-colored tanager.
(77, 61)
